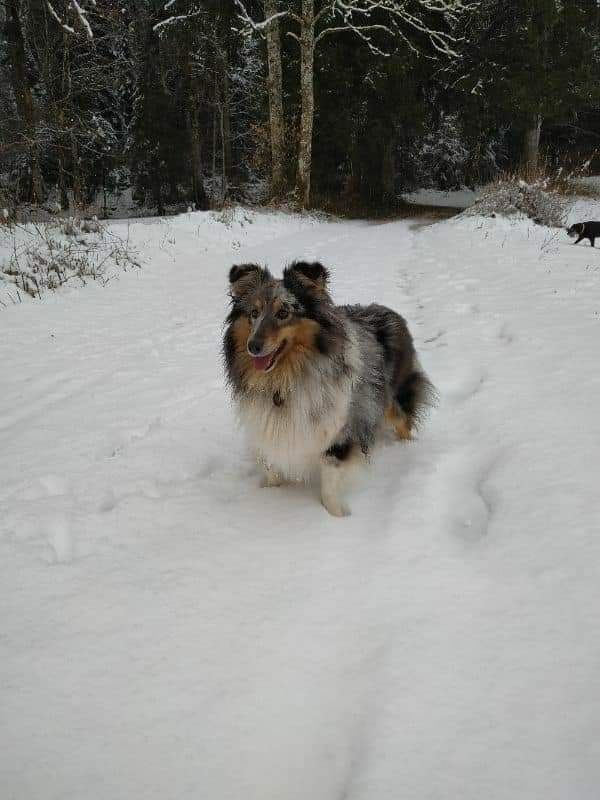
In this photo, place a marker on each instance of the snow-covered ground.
(590, 182)
(465, 198)
(169, 631)
(458, 198)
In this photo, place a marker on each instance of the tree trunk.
(63, 194)
(148, 149)
(23, 97)
(224, 184)
(78, 199)
(225, 116)
(275, 92)
(157, 193)
(531, 143)
(388, 172)
(199, 196)
(214, 144)
(307, 93)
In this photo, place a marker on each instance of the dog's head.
(273, 318)
(574, 230)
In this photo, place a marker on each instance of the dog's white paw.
(335, 506)
(271, 479)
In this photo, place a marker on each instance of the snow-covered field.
(169, 631)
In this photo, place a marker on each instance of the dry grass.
(566, 180)
(532, 196)
(46, 256)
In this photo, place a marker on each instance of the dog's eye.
(254, 313)
(283, 313)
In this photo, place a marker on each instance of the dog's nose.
(254, 347)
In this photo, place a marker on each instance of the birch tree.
(377, 24)
(275, 95)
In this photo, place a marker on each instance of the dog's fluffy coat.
(315, 383)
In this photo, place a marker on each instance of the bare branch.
(259, 27)
(177, 18)
(82, 17)
(58, 19)
(79, 11)
(360, 30)
(394, 18)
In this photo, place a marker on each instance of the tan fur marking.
(241, 332)
(319, 287)
(399, 423)
(300, 338)
(301, 333)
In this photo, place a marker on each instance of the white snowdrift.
(170, 630)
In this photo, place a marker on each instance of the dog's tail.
(415, 396)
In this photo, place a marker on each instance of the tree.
(372, 22)
(24, 98)
(531, 63)
(275, 94)
(369, 97)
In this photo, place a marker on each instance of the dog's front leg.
(333, 482)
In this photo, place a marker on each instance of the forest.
(336, 104)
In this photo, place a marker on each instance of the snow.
(590, 182)
(171, 630)
(458, 198)
(464, 198)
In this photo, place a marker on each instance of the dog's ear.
(244, 278)
(313, 277)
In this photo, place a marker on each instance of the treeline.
(193, 102)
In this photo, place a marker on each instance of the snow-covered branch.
(53, 13)
(395, 19)
(80, 13)
(250, 24)
(360, 30)
(177, 17)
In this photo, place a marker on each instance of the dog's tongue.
(262, 362)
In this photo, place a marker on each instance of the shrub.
(512, 195)
(46, 256)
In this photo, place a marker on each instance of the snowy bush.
(46, 256)
(443, 154)
(509, 196)
(451, 157)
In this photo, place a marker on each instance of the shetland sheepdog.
(316, 384)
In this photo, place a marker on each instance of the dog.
(584, 230)
(317, 384)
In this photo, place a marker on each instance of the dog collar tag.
(277, 400)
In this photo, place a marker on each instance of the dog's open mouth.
(266, 363)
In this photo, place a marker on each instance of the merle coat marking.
(316, 383)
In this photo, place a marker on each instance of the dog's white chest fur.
(291, 438)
